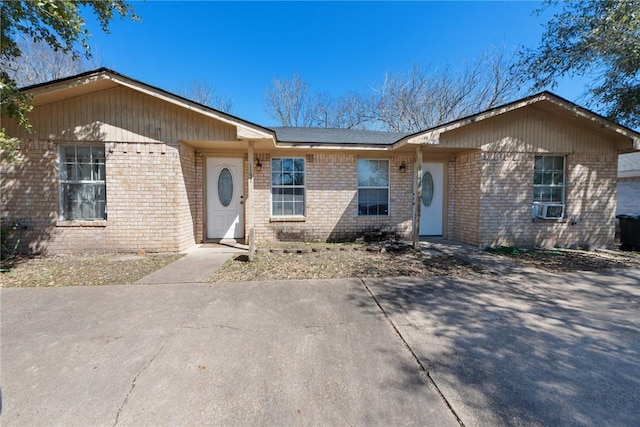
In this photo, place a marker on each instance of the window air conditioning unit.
(549, 210)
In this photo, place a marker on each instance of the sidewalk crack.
(135, 379)
(423, 370)
(170, 335)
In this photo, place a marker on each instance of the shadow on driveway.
(525, 350)
(256, 353)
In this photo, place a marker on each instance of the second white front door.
(225, 211)
(432, 199)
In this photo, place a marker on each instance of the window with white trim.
(548, 179)
(373, 187)
(287, 186)
(82, 182)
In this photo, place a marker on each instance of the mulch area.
(334, 264)
(561, 260)
(290, 261)
(317, 261)
(79, 270)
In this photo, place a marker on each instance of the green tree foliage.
(58, 23)
(599, 39)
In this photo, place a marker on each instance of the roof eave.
(334, 146)
(428, 136)
(242, 125)
(246, 130)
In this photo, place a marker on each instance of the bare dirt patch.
(333, 262)
(82, 270)
(562, 260)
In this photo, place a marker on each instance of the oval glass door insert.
(225, 187)
(427, 189)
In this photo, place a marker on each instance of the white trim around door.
(224, 198)
(432, 199)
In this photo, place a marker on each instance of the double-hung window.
(549, 187)
(548, 179)
(373, 187)
(287, 186)
(82, 182)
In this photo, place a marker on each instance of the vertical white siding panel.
(140, 116)
(93, 103)
(205, 129)
(113, 109)
(148, 111)
(66, 118)
(121, 114)
(133, 116)
(171, 127)
(538, 130)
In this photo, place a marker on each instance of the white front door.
(225, 211)
(431, 199)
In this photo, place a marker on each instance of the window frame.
(551, 186)
(63, 181)
(387, 187)
(292, 186)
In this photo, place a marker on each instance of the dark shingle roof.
(629, 162)
(335, 136)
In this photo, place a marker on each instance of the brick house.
(114, 164)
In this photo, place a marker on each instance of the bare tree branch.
(288, 102)
(204, 92)
(403, 102)
(39, 63)
(423, 98)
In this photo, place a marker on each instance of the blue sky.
(336, 47)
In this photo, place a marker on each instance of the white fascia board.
(246, 134)
(428, 138)
(66, 84)
(424, 138)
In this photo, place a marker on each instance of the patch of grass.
(339, 264)
(505, 250)
(563, 260)
(83, 270)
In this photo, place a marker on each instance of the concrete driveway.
(296, 353)
(515, 350)
(526, 350)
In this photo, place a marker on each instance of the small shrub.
(9, 230)
(505, 250)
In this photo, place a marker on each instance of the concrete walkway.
(198, 264)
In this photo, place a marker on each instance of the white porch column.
(417, 199)
(249, 202)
